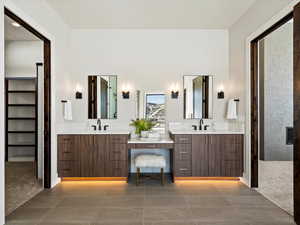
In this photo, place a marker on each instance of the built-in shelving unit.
(21, 118)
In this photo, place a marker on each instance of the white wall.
(147, 60)
(2, 139)
(21, 57)
(262, 15)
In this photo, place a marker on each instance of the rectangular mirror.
(198, 97)
(103, 95)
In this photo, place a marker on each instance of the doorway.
(289, 133)
(28, 110)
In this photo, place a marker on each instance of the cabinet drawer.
(182, 139)
(66, 149)
(151, 146)
(118, 139)
(183, 169)
(118, 152)
(68, 169)
(183, 152)
(117, 169)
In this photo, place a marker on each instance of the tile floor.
(119, 203)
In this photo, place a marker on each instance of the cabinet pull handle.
(183, 152)
(183, 139)
(183, 169)
(66, 170)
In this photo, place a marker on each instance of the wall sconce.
(78, 94)
(126, 91)
(125, 94)
(174, 91)
(221, 94)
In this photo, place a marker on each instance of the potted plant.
(142, 126)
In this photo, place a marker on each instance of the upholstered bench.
(149, 161)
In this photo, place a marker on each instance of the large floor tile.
(165, 202)
(120, 215)
(207, 202)
(27, 215)
(71, 215)
(170, 223)
(166, 214)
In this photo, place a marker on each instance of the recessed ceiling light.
(15, 24)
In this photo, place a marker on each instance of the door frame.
(255, 97)
(47, 93)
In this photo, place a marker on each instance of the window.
(155, 109)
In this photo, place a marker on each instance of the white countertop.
(165, 140)
(206, 132)
(79, 132)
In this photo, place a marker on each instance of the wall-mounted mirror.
(103, 95)
(198, 96)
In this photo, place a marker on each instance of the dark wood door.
(92, 150)
(232, 157)
(200, 155)
(215, 155)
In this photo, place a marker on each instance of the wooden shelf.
(21, 132)
(21, 145)
(21, 105)
(22, 92)
(28, 90)
(21, 118)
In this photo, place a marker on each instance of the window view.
(155, 109)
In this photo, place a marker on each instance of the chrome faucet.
(201, 122)
(99, 124)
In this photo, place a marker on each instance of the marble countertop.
(164, 140)
(96, 132)
(206, 132)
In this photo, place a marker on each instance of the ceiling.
(13, 33)
(201, 14)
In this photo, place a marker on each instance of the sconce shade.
(174, 94)
(221, 95)
(78, 95)
(125, 94)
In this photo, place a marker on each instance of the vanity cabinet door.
(92, 149)
(200, 156)
(215, 155)
(232, 157)
(226, 155)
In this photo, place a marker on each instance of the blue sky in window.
(156, 99)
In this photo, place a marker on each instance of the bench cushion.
(150, 161)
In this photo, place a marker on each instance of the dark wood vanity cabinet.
(92, 156)
(210, 155)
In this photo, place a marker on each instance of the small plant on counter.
(142, 125)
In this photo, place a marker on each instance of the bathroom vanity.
(93, 155)
(208, 154)
(193, 154)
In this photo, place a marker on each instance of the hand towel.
(68, 110)
(232, 110)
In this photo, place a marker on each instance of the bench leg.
(138, 171)
(162, 176)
